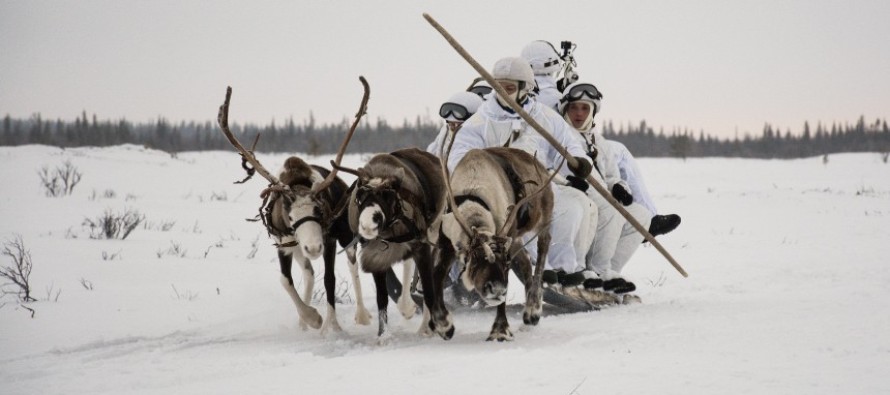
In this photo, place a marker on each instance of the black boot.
(593, 283)
(573, 279)
(550, 277)
(662, 224)
(619, 286)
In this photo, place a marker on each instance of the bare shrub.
(219, 244)
(49, 293)
(341, 292)
(87, 284)
(111, 225)
(196, 229)
(162, 226)
(219, 197)
(61, 180)
(19, 272)
(108, 194)
(110, 256)
(253, 247)
(186, 295)
(885, 156)
(175, 249)
(658, 281)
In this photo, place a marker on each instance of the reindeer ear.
(466, 280)
(316, 178)
(397, 175)
(450, 227)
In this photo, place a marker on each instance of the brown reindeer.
(497, 196)
(395, 203)
(301, 210)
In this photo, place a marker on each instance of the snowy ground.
(787, 294)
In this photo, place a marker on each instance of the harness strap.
(429, 204)
(522, 216)
(460, 199)
(307, 219)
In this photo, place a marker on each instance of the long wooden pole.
(556, 144)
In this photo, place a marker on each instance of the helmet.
(541, 56)
(581, 91)
(516, 69)
(480, 88)
(460, 106)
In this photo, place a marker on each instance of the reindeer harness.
(399, 213)
(516, 183)
(323, 213)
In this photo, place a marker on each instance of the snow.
(787, 291)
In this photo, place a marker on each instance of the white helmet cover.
(580, 91)
(516, 69)
(468, 100)
(542, 57)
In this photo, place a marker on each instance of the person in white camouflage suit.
(545, 63)
(615, 239)
(496, 125)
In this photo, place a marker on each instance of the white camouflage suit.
(493, 126)
(616, 239)
(547, 95)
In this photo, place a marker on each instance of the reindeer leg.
(362, 316)
(424, 329)
(304, 311)
(440, 317)
(382, 302)
(533, 292)
(313, 320)
(500, 330)
(406, 304)
(330, 287)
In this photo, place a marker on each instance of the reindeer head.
(378, 202)
(296, 211)
(484, 255)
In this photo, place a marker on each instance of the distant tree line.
(312, 138)
(642, 141)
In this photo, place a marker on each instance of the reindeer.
(302, 211)
(395, 205)
(496, 196)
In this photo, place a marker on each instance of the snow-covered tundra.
(787, 293)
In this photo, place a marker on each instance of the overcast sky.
(720, 66)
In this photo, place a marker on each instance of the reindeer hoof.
(531, 318)
(407, 306)
(312, 319)
(362, 317)
(500, 336)
(331, 326)
(424, 330)
(449, 333)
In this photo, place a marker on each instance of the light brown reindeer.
(302, 211)
(497, 196)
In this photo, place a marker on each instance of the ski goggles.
(480, 90)
(454, 110)
(579, 91)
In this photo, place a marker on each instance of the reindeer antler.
(443, 160)
(510, 223)
(362, 109)
(355, 172)
(250, 171)
(223, 120)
